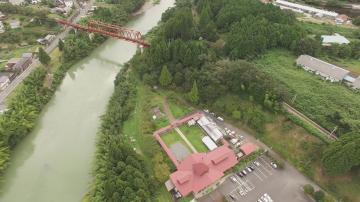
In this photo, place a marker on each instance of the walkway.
(171, 118)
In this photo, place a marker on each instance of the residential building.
(22, 64)
(2, 28)
(11, 63)
(341, 19)
(14, 24)
(328, 40)
(324, 69)
(307, 9)
(2, 16)
(200, 170)
(4, 81)
(46, 40)
(356, 83)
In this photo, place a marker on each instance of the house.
(356, 83)
(2, 28)
(23, 63)
(14, 24)
(2, 16)
(328, 40)
(307, 9)
(11, 63)
(4, 81)
(324, 69)
(46, 40)
(341, 19)
(200, 170)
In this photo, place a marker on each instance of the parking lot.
(279, 185)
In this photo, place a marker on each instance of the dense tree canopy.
(343, 154)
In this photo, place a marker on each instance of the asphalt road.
(35, 62)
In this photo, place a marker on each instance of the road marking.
(258, 176)
(266, 163)
(259, 170)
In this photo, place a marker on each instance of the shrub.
(309, 189)
(319, 195)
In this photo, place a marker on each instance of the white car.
(206, 110)
(232, 178)
(220, 118)
(256, 163)
(273, 165)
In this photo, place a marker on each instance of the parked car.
(273, 165)
(256, 163)
(232, 178)
(206, 110)
(249, 169)
(232, 197)
(220, 118)
(244, 172)
(240, 174)
(252, 167)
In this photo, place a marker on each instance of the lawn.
(316, 98)
(171, 138)
(194, 135)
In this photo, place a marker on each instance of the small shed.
(248, 148)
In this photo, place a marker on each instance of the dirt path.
(167, 111)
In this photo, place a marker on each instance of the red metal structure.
(104, 29)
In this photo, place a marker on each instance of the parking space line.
(266, 166)
(265, 169)
(258, 176)
(266, 163)
(259, 170)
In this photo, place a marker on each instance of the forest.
(210, 49)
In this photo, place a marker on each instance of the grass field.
(326, 29)
(177, 110)
(171, 138)
(194, 135)
(316, 98)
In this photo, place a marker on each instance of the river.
(54, 162)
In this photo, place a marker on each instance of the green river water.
(53, 163)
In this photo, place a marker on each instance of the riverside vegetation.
(29, 99)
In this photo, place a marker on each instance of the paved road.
(35, 63)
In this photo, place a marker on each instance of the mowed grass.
(194, 134)
(171, 138)
(316, 98)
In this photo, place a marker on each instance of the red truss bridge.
(110, 30)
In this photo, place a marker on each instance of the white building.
(209, 143)
(328, 40)
(326, 70)
(307, 9)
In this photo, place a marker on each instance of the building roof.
(200, 170)
(248, 148)
(4, 78)
(342, 17)
(307, 8)
(336, 38)
(14, 60)
(209, 143)
(323, 67)
(210, 128)
(356, 83)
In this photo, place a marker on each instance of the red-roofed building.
(201, 170)
(248, 148)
